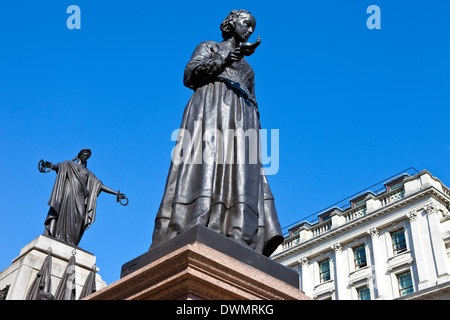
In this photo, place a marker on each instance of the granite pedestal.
(201, 264)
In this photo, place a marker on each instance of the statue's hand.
(121, 196)
(234, 56)
(44, 165)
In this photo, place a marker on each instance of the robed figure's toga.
(72, 202)
(221, 183)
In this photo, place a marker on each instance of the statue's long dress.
(219, 182)
(72, 202)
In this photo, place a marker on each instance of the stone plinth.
(192, 266)
(22, 272)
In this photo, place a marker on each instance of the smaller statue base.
(190, 267)
(20, 275)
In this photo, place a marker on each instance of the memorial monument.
(226, 190)
(52, 266)
(217, 223)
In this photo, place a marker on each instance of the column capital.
(412, 215)
(373, 232)
(431, 208)
(304, 261)
(337, 247)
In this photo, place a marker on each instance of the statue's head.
(240, 24)
(83, 156)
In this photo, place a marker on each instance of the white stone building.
(388, 244)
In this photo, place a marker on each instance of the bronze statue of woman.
(74, 198)
(228, 193)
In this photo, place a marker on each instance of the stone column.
(340, 278)
(306, 279)
(418, 251)
(439, 251)
(379, 265)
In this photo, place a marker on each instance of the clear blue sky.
(353, 106)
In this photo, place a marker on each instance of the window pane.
(398, 241)
(396, 186)
(324, 270)
(360, 256)
(364, 293)
(405, 284)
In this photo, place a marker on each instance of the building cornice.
(369, 216)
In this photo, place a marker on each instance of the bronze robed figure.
(220, 182)
(73, 200)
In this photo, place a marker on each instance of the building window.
(398, 241)
(324, 270)
(405, 285)
(363, 293)
(359, 203)
(325, 217)
(396, 186)
(360, 256)
(294, 232)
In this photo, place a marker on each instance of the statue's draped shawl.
(234, 198)
(73, 201)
